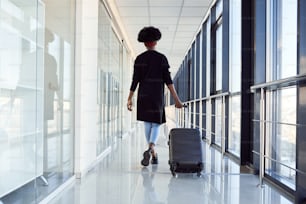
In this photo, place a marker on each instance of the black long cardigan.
(151, 71)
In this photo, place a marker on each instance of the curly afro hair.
(149, 34)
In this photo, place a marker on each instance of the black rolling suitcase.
(185, 151)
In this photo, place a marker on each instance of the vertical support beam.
(225, 70)
(259, 76)
(204, 82)
(212, 59)
(262, 137)
(204, 59)
(223, 126)
(247, 67)
(300, 196)
(225, 46)
(212, 72)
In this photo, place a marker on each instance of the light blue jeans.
(151, 132)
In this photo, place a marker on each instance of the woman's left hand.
(179, 104)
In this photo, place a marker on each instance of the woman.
(151, 71)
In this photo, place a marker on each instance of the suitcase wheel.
(172, 169)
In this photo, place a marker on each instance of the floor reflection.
(186, 189)
(150, 195)
(120, 179)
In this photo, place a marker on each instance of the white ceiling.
(178, 21)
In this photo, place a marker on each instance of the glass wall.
(114, 63)
(217, 69)
(235, 78)
(219, 50)
(208, 81)
(59, 88)
(104, 33)
(276, 44)
(36, 97)
(281, 117)
(281, 132)
(219, 77)
(218, 121)
(126, 78)
(282, 39)
(234, 125)
(21, 94)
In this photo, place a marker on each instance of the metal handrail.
(223, 116)
(276, 122)
(274, 85)
(193, 124)
(290, 81)
(209, 97)
(204, 114)
(274, 160)
(218, 95)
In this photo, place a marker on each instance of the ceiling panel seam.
(149, 13)
(176, 26)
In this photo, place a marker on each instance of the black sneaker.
(154, 160)
(146, 158)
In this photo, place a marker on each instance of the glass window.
(235, 77)
(282, 39)
(36, 98)
(192, 71)
(58, 90)
(208, 120)
(197, 115)
(192, 122)
(203, 61)
(21, 129)
(208, 81)
(219, 8)
(281, 135)
(197, 66)
(126, 77)
(112, 57)
(234, 125)
(104, 62)
(203, 121)
(189, 76)
(218, 121)
(281, 63)
(208, 77)
(235, 46)
(219, 49)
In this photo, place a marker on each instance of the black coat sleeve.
(136, 76)
(166, 74)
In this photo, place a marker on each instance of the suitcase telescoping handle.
(186, 115)
(177, 115)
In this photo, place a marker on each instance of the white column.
(86, 107)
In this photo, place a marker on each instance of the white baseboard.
(80, 175)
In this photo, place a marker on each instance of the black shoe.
(146, 158)
(154, 160)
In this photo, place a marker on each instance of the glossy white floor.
(120, 179)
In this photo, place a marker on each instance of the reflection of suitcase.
(193, 191)
(185, 151)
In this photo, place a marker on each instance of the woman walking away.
(151, 72)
